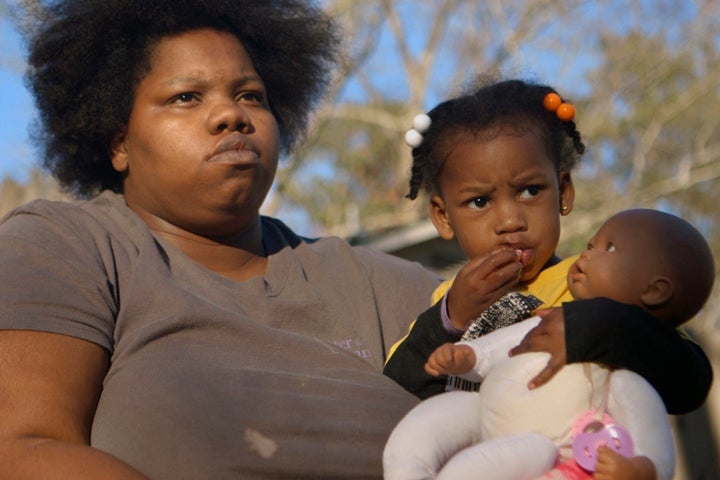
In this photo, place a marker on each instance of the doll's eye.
(610, 247)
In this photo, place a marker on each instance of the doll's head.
(647, 258)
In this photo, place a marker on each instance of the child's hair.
(87, 56)
(488, 107)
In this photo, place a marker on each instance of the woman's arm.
(51, 385)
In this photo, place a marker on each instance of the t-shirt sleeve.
(626, 336)
(401, 291)
(53, 278)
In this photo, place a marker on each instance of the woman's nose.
(229, 116)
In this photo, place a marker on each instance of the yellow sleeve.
(434, 298)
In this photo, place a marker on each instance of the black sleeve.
(405, 366)
(626, 336)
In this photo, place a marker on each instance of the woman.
(164, 328)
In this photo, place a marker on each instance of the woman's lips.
(234, 150)
(235, 157)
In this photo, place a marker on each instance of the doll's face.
(619, 262)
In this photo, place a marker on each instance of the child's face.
(502, 192)
(616, 264)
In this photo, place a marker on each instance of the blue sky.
(17, 111)
(16, 108)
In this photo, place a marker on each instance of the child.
(646, 258)
(496, 164)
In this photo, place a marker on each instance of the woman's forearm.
(33, 458)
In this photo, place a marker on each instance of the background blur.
(643, 74)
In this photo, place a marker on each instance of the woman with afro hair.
(159, 326)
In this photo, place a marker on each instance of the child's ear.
(567, 192)
(118, 151)
(438, 215)
(658, 292)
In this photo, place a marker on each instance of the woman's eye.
(530, 191)
(478, 202)
(252, 97)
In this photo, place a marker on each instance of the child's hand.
(613, 466)
(480, 283)
(450, 359)
(548, 336)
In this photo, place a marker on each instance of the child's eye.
(185, 97)
(478, 202)
(530, 191)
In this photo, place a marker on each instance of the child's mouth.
(525, 256)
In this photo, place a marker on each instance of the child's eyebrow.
(529, 176)
(477, 189)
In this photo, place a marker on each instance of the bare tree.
(403, 57)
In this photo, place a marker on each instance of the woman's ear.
(658, 292)
(118, 151)
(438, 215)
(567, 192)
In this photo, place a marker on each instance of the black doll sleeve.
(625, 336)
(406, 364)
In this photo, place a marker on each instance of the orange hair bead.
(552, 101)
(566, 112)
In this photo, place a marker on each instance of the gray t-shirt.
(275, 377)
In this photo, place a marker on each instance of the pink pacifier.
(591, 431)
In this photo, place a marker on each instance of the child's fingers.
(463, 360)
(545, 375)
(484, 266)
(439, 360)
(431, 370)
(499, 264)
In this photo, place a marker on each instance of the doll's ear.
(438, 215)
(658, 292)
(119, 152)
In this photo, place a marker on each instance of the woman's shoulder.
(339, 251)
(103, 215)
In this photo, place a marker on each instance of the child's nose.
(510, 219)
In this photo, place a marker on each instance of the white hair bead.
(413, 138)
(421, 123)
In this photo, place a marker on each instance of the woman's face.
(201, 147)
(502, 192)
